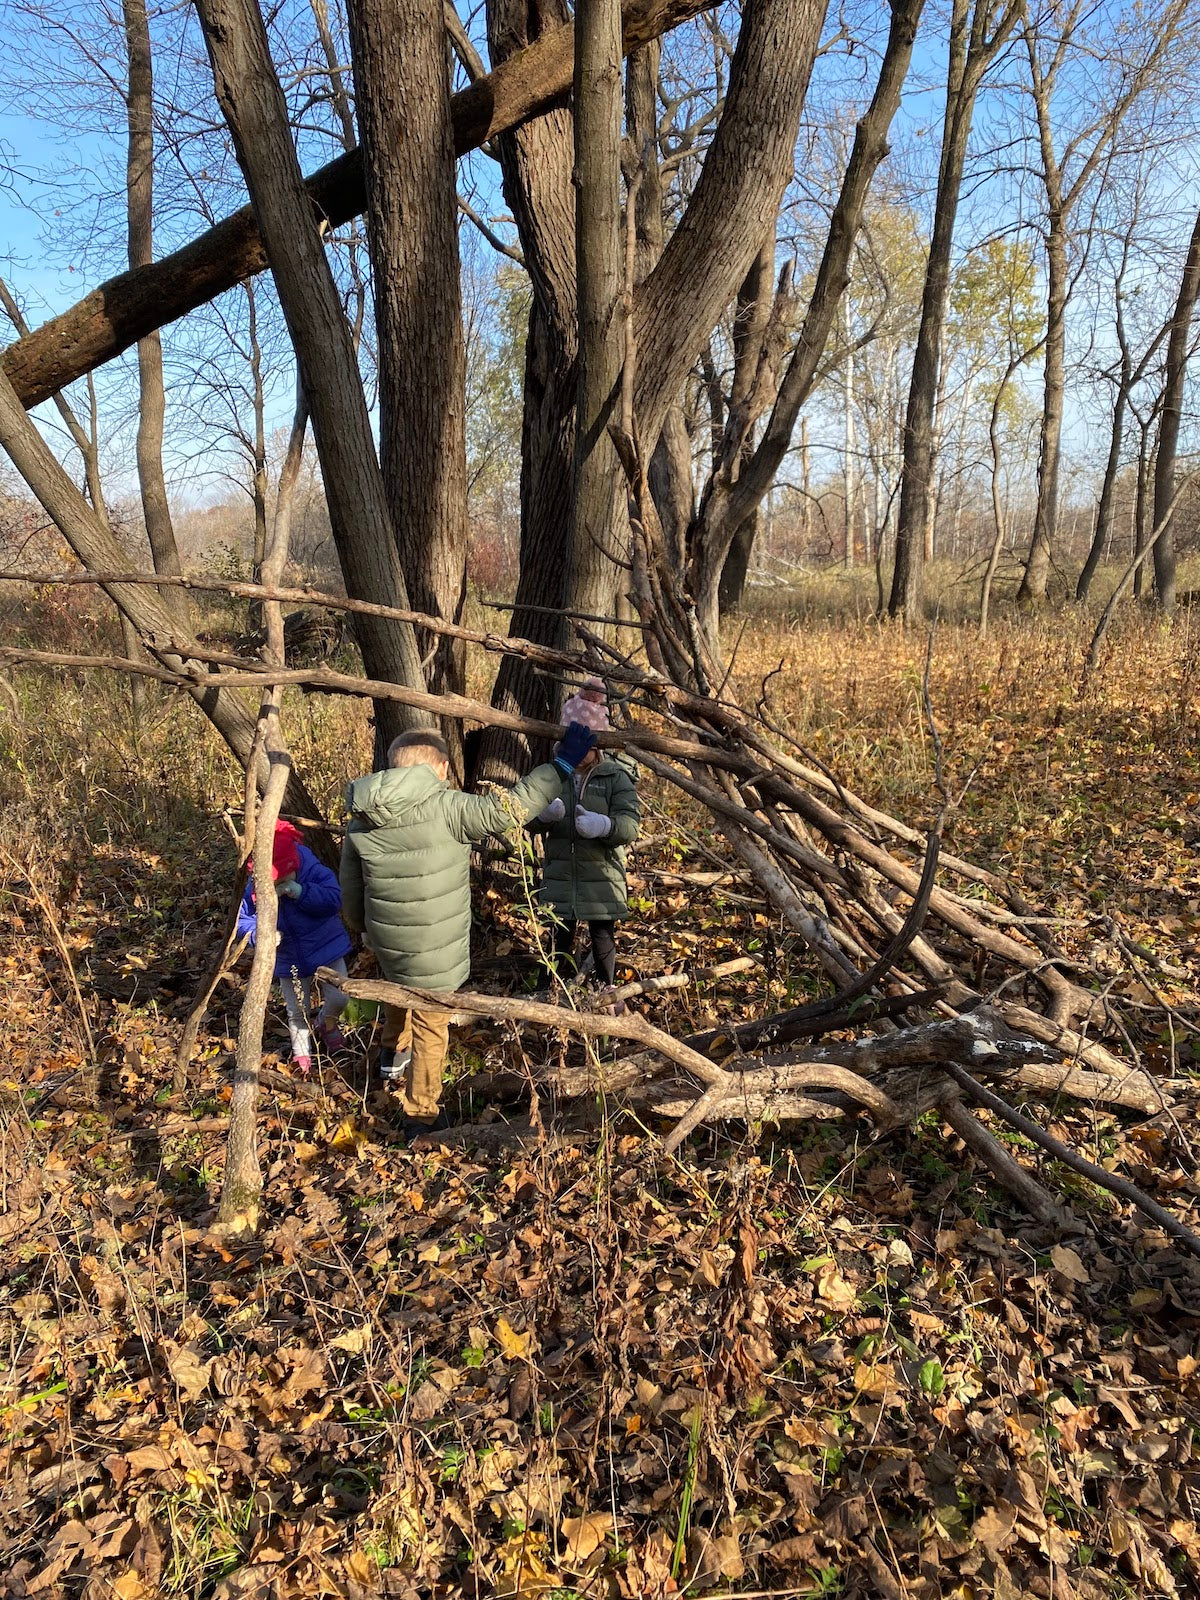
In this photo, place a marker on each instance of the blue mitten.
(574, 745)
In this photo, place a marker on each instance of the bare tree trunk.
(253, 105)
(1141, 510)
(849, 447)
(1037, 566)
(710, 557)
(241, 1185)
(999, 515)
(258, 464)
(731, 590)
(598, 540)
(747, 167)
(1168, 425)
(152, 401)
(1108, 488)
(289, 473)
(402, 99)
(536, 162)
(972, 48)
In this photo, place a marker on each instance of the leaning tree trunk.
(598, 542)
(748, 165)
(1168, 426)
(152, 400)
(402, 98)
(253, 105)
(671, 484)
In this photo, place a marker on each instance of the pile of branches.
(945, 972)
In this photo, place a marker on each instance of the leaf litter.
(814, 1365)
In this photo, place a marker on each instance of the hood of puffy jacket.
(389, 798)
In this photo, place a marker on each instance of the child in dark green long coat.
(586, 831)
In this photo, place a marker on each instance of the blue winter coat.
(310, 929)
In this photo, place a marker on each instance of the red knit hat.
(285, 852)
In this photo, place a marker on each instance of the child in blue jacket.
(311, 935)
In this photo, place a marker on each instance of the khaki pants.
(427, 1035)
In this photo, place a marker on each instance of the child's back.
(406, 865)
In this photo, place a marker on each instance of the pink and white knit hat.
(592, 713)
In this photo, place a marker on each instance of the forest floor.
(806, 1363)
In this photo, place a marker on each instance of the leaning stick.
(1061, 1152)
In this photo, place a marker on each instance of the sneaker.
(303, 1065)
(393, 1064)
(330, 1036)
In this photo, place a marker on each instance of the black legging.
(604, 949)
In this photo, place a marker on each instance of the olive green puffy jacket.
(405, 870)
(584, 879)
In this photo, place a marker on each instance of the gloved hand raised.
(554, 812)
(290, 888)
(592, 824)
(574, 745)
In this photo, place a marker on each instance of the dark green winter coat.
(405, 870)
(584, 879)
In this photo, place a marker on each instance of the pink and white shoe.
(303, 1065)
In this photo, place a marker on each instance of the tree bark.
(727, 501)
(731, 589)
(972, 48)
(747, 167)
(253, 105)
(402, 98)
(536, 162)
(241, 1186)
(1168, 424)
(1036, 576)
(599, 540)
(122, 310)
(1108, 487)
(752, 315)
(670, 476)
(152, 400)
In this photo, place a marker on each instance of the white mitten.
(554, 812)
(592, 824)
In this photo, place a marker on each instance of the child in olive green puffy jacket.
(586, 830)
(405, 878)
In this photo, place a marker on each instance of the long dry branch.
(1098, 1175)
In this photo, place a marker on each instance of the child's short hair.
(416, 747)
